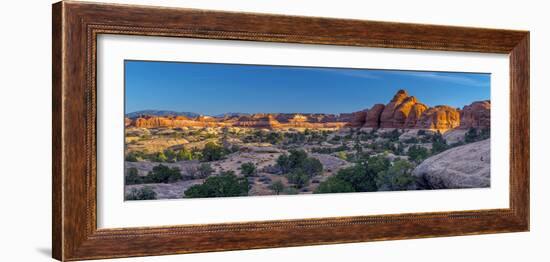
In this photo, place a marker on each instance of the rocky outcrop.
(403, 112)
(466, 166)
(439, 118)
(372, 119)
(476, 115)
(387, 117)
(414, 115)
(355, 119)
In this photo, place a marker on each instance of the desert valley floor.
(402, 145)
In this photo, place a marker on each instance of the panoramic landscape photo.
(202, 130)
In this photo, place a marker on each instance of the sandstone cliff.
(476, 115)
(439, 118)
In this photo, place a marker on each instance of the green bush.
(204, 170)
(334, 185)
(131, 157)
(277, 187)
(164, 174)
(378, 163)
(474, 135)
(184, 154)
(417, 153)
(298, 177)
(170, 155)
(312, 166)
(248, 169)
(132, 177)
(160, 157)
(212, 152)
(360, 177)
(224, 185)
(144, 193)
(397, 177)
(298, 159)
(439, 144)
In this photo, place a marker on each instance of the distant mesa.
(160, 113)
(403, 112)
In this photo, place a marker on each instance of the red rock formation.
(355, 119)
(414, 115)
(476, 115)
(372, 119)
(386, 119)
(403, 111)
(439, 118)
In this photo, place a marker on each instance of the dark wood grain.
(76, 26)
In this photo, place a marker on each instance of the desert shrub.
(184, 154)
(160, 157)
(312, 166)
(170, 155)
(274, 138)
(131, 157)
(360, 177)
(298, 159)
(204, 170)
(277, 187)
(298, 177)
(378, 163)
(212, 152)
(248, 169)
(164, 174)
(417, 153)
(283, 163)
(397, 177)
(226, 184)
(342, 155)
(132, 177)
(144, 193)
(439, 144)
(334, 185)
(474, 135)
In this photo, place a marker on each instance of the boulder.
(467, 166)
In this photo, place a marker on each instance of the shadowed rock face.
(373, 116)
(466, 166)
(476, 115)
(403, 111)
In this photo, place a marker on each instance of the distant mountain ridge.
(140, 113)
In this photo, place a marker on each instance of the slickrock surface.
(467, 166)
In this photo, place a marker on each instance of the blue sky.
(212, 89)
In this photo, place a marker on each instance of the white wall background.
(25, 129)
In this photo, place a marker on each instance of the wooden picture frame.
(76, 26)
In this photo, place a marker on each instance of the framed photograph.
(181, 130)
